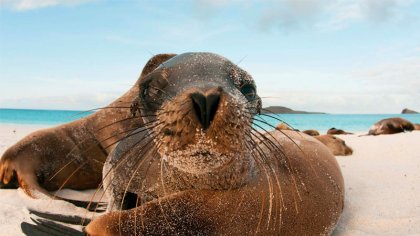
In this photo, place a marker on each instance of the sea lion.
(311, 132)
(337, 131)
(283, 126)
(282, 205)
(196, 165)
(391, 126)
(416, 126)
(211, 172)
(72, 155)
(336, 145)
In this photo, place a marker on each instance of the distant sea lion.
(336, 145)
(72, 155)
(416, 126)
(391, 126)
(337, 131)
(311, 132)
(195, 165)
(283, 126)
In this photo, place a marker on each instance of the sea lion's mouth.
(202, 168)
(198, 160)
(201, 154)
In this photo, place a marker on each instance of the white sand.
(382, 181)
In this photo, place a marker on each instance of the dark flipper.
(54, 224)
(34, 230)
(68, 219)
(90, 206)
(46, 227)
(13, 184)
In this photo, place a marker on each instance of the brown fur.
(311, 132)
(246, 210)
(337, 131)
(416, 126)
(283, 126)
(41, 155)
(336, 145)
(391, 126)
(293, 180)
(277, 194)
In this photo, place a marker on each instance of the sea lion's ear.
(154, 62)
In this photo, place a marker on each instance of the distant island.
(408, 111)
(285, 110)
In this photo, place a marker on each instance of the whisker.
(118, 164)
(270, 190)
(289, 165)
(276, 118)
(273, 117)
(87, 161)
(138, 165)
(98, 142)
(95, 109)
(267, 161)
(293, 141)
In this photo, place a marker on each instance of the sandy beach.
(381, 177)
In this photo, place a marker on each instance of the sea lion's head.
(201, 107)
(337, 146)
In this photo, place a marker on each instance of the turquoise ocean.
(321, 122)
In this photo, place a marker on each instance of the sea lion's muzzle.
(205, 104)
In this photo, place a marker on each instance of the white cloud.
(290, 14)
(395, 76)
(344, 13)
(385, 87)
(287, 15)
(23, 5)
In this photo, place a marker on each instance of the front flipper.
(47, 223)
(54, 224)
(198, 212)
(47, 228)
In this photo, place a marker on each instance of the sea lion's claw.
(7, 176)
(29, 184)
(97, 207)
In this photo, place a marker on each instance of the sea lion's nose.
(205, 105)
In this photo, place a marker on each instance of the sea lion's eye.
(249, 91)
(145, 91)
(153, 89)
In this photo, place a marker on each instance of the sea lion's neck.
(112, 131)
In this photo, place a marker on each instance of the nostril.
(205, 106)
(212, 105)
(199, 106)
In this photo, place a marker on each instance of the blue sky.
(336, 56)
